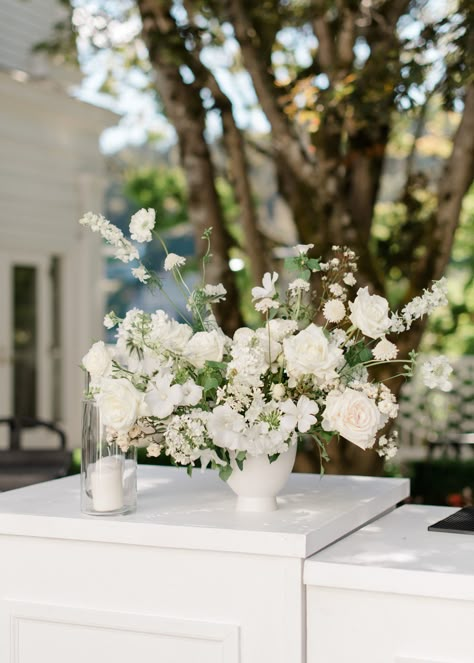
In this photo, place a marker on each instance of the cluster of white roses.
(186, 390)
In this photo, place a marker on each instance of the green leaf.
(273, 458)
(240, 464)
(242, 455)
(225, 472)
(305, 274)
(326, 435)
(210, 383)
(189, 470)
(292, 263)
(216, 364)
(358, 354)
(314, 264)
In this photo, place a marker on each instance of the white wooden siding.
(24, 23)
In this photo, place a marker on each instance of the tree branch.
(284, 139)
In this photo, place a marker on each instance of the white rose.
(370, 314)
(205, 346)
(354, 415)
(120, 404)
(279, 329)
(310, 353)
(171, 334)
(98, 361)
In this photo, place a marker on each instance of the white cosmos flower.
(334, 310)
(141, 225)
(299, 416)
(226, 427)
(268, 289)
(385, 350)
(436, 373)
(161, 397)
(303, 248)
(192, 393)
(173, 260)
(370, 314)
(141, 274)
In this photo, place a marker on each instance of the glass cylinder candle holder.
(108, 474)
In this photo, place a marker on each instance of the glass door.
(29, 340)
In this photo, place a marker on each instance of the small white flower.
(304, 248)
(153, 450)
(268, 289)
(141, 274)
(349, 279)
(334, 310)
(436, 373)
(215, 293)
(299, 416)
(141, 225)
(266, 304)
(385, 350)
(110, 321)
(298, 284)
(172, 261)
(278, 391)
(336, 290)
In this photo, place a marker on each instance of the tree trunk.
(183, 107)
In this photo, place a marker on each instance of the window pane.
(56, 341)
(25, 367)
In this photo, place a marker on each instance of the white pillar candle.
(106, 484)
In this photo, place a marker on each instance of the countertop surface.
(175, 511)
(398, 554)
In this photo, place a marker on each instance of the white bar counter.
(406, 594)
(185, 579)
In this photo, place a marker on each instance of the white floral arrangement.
(186, 390)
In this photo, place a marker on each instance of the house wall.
(51, 172)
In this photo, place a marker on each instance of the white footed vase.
(258, 483)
